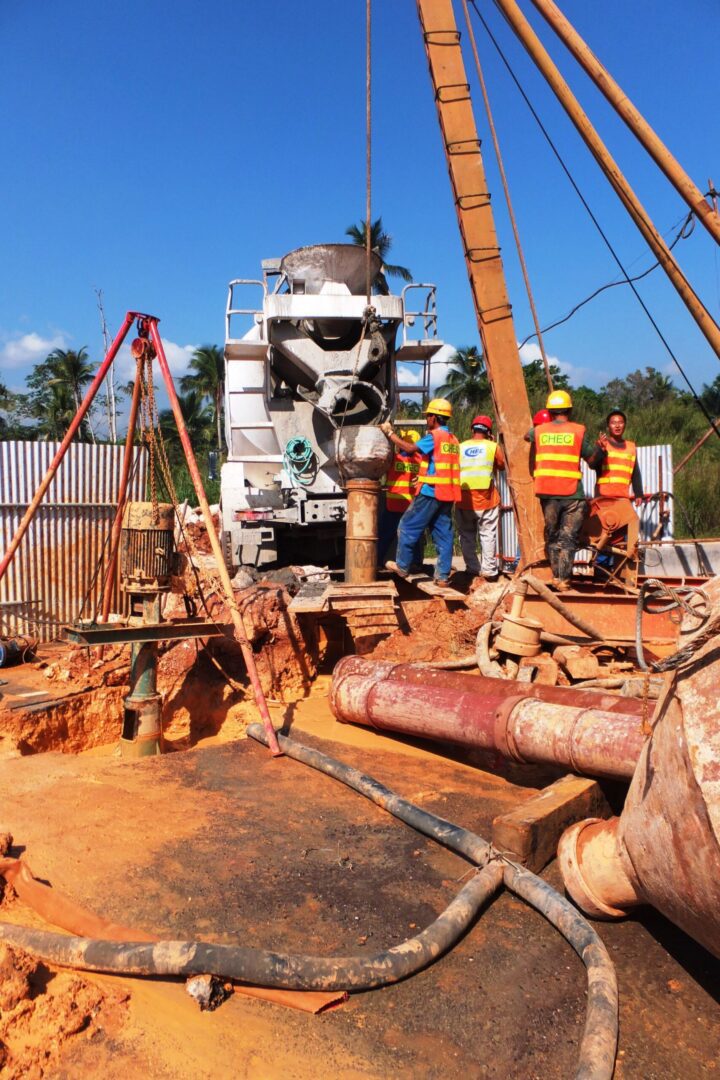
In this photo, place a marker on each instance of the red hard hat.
(482, 421)
(541, 417)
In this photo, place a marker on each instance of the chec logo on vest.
(449, 448)
(548, 438)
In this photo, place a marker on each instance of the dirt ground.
(224, 843)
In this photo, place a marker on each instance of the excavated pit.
(71, 699)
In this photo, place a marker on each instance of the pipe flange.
(573, 878)
(504, 741)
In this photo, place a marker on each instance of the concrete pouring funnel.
(308, 269)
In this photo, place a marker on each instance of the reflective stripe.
(556, 457)
(558, 472)
(401, 475)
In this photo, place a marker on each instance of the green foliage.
(466, 383)
(536, 382)
(184, 485)
(199, 421)
(380, 242)
(207, 380)
(55, 390)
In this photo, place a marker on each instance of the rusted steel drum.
(664, 849)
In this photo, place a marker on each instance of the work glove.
(387, 428)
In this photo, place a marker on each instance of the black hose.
(596, 1060)
(260, 966)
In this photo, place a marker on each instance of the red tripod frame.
(148, 327)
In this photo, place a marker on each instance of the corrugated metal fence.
(656, 469)
(56, 566)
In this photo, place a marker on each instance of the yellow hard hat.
(439, 406)
(409, 434)
(559, 399)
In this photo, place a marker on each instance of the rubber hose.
(598, 1047)
(549, 597)
(489, 668)
(260, 966)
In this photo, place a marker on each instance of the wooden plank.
(531, 831)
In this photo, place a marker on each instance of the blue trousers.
(387, 533)
(427, 513)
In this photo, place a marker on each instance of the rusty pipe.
(592, 734)
(361, 531)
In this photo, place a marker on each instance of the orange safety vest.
(616, 471)
(558, 450)
(400, 476)
(446, 478)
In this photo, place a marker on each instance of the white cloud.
(25, 349)
(579, 376)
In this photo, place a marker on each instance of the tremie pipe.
(599, 1040)
(361, 531)
(529, 724)
(240, 635)
(612, 171)
(637, 123)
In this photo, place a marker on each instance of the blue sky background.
(157, 149)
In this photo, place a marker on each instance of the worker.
(438, 488)
(559, 446)
(618, 468)
(398, 495)
(477, 513)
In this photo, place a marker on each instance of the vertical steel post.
(484, 264)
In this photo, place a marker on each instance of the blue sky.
(158, 149)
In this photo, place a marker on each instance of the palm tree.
(51, 401)
(380, 242)
(208, 381)
(199, 422)
(466, 383)
(71, 369)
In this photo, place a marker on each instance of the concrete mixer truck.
(311, 371)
